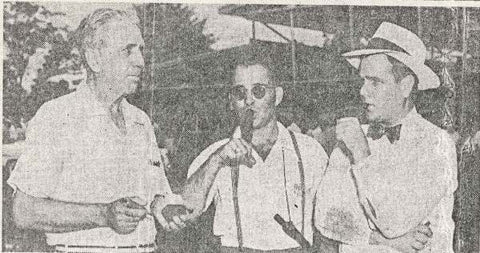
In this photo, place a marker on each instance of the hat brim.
(427, 79)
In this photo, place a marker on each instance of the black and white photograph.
(303, 127)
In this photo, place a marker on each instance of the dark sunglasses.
(258, 91)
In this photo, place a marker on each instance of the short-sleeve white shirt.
(261, 193)
(75, 153)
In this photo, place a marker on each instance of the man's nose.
(249, 98)
(137, 59)
(364, 91)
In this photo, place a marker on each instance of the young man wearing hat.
(397, 173)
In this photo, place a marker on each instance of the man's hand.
(411, 242)
(124, 214)
(349, 131)
(178, 221)
(236, 150)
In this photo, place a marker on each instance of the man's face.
(259, 94)
(382, 96)
(120, 60)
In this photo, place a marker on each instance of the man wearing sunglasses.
(261, 183)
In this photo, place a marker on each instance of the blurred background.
(191, 48)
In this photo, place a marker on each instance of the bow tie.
(376, 131)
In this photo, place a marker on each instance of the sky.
(229, 31)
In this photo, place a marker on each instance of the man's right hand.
(236, 150)
(123, 215)
(349, 131)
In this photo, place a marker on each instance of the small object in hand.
(135, 202)
(170, 211)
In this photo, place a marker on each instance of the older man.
(87, 175)
(263, 171)
(397, 173)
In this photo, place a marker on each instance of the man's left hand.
(411, 242)
(349, 131)
(159, 203)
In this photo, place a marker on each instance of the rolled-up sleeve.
(40, 164)
(199, 161)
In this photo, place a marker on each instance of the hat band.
(380, 43)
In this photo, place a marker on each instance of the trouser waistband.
(144, 248)
(224, 249)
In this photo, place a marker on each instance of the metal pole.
(145, 75)
(253, 30)
(419, 22)
(276, 32)
(292, 42)
(464, 64)
(461, 87)
(152, 66)
(350, 26)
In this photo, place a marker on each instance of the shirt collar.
(284, 139)
(94, 108)
(411, 116)
(408, 123)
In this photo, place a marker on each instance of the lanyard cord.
(285, 184)
(235, 172)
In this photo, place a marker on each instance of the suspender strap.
(302, 177)
(235, 172)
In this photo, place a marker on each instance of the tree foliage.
(27, 28)
(171, 32)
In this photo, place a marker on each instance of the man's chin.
(371, 117)
(132, 88)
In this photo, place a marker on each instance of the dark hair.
(264, 58)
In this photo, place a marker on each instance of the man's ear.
(406, 85)
(278, 95)
(92, 56)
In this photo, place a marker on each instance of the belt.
(96, 249)
(225, 249)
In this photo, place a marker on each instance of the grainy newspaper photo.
(162, 127)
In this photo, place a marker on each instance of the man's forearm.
(197, 187)
(53, 216)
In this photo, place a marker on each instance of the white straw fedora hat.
(403, 45)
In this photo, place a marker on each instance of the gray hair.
(86, 34)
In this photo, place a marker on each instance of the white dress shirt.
(75, 153)
(261, 193)
(397, 187)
